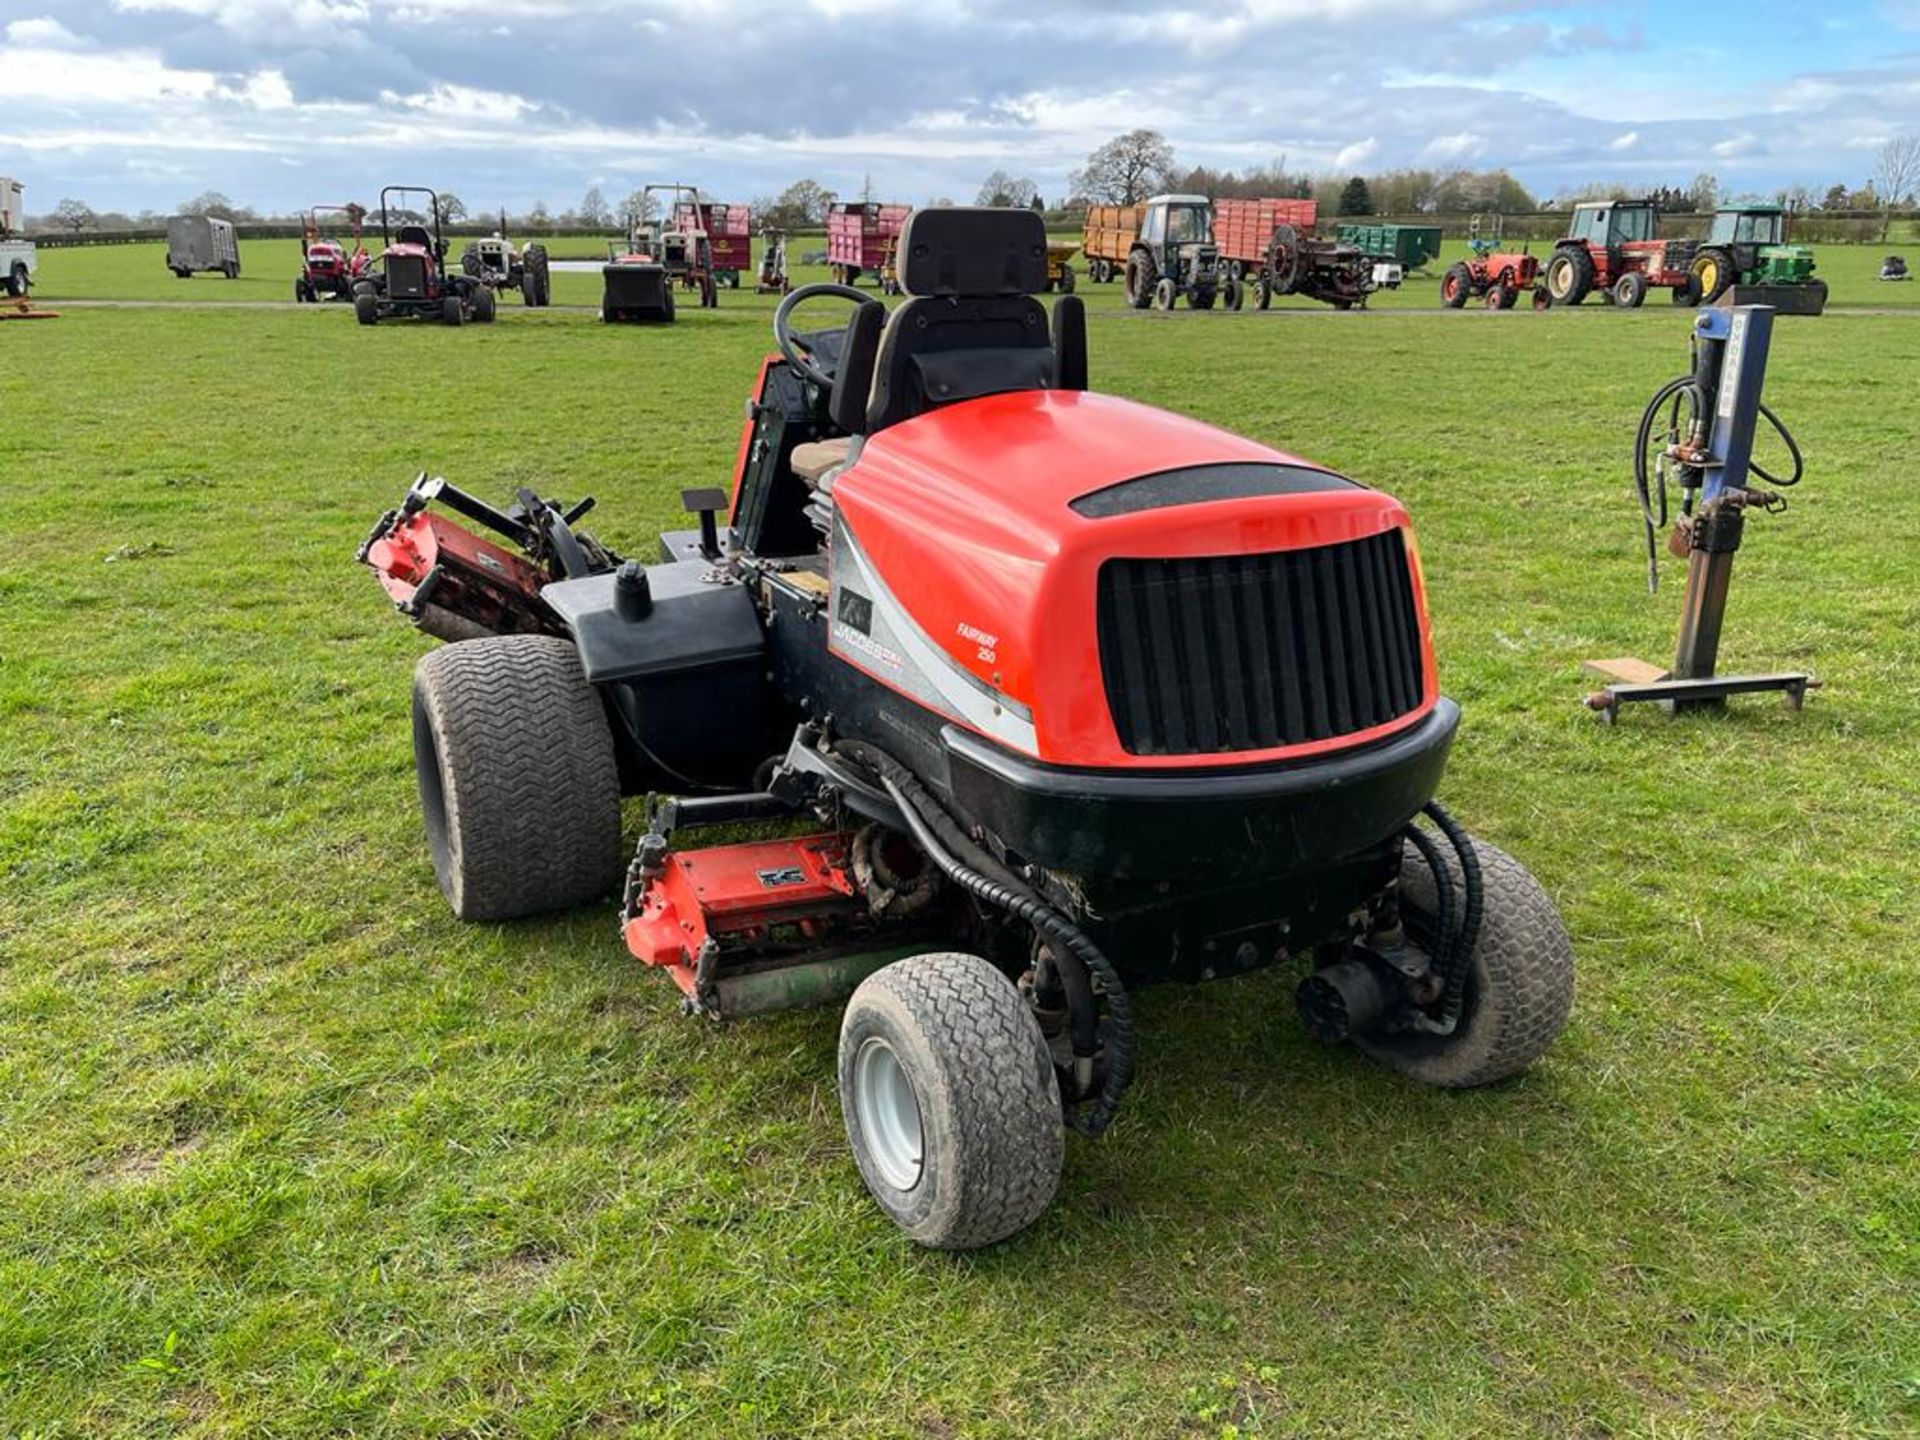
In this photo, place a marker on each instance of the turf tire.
(1455, 286)
(519, 782)
(366, 307)
(1519, 987)
(984, 1092)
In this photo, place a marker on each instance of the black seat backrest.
(972, 326)
(416, 235)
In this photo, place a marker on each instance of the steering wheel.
(792, 348)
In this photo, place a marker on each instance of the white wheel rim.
(889, 1114)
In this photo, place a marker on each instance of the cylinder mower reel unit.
(1036, 695)
(1698, 431)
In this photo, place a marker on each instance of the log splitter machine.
(1710, 418)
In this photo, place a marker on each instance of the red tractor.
(327, 267)
(1493, 276)
(411, 276)
(1612, 247)
(1056, 694)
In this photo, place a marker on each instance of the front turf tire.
(950, 1101)
(519, 783)
(1519, 988)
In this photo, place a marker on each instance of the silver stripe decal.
(972, 700)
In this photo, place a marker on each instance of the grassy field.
(139, 272)
(286, 1151)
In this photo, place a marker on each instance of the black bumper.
(1216, 824)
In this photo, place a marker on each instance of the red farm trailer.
(1242, 228)
(730, 231)
(861, 236)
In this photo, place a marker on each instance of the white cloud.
(1624, 142)
(1466, 145)
(1738, 146)
(43, 32)
(1356, 154)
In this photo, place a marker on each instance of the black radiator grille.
(407, 278)
(1252, 652)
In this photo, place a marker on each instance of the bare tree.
(640, 208)
(74, 214)
(1126, 169)
(452, 208)
(1894, 174)
(593, 209)
(1003, 189)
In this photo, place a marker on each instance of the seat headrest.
(973, 250)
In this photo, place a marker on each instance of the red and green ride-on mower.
(1612, 248)
(1056, 695)
(411, 277)
(328, 269)
(1495, 277)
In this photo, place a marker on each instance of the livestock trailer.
(1243, 228)
(202, 242)
(1408, 246)
(729, 232)
(861, 235)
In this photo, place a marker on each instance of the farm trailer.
(202, 242)
(1410, 247)
(861, 236)
(729, 230)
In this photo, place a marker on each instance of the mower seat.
(415, 235)
(972, 326)
(816, 462)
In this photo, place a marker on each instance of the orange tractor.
(1493, 276)
(1612, 248)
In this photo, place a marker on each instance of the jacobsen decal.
(872, 629)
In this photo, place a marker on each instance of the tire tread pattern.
(1000, 1091)
(529, 776)
(1521, 991)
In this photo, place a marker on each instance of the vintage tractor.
(1494, 276)
(1746, 252)
(1056, 694)
(411, 276)
(680, 243)
(1612, 247)
(496, 263)
(328, 268)
(773, 278)
(1172, 256)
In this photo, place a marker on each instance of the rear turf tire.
(950, 1101)
(519, 784)
(1519, 987)
(366, 307)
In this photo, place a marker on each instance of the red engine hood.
(965, 515)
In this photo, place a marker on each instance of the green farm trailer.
(1408, 246)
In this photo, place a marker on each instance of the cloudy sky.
(132, 104)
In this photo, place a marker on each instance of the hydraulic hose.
(1453, 996)
(1652, 488)
(1453, 948)
(967, 864)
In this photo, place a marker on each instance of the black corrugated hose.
(1453, 953)
(969, 866)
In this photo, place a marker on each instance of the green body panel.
(1780, 265)
(1411, 245)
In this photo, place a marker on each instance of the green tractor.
(1747, 252)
